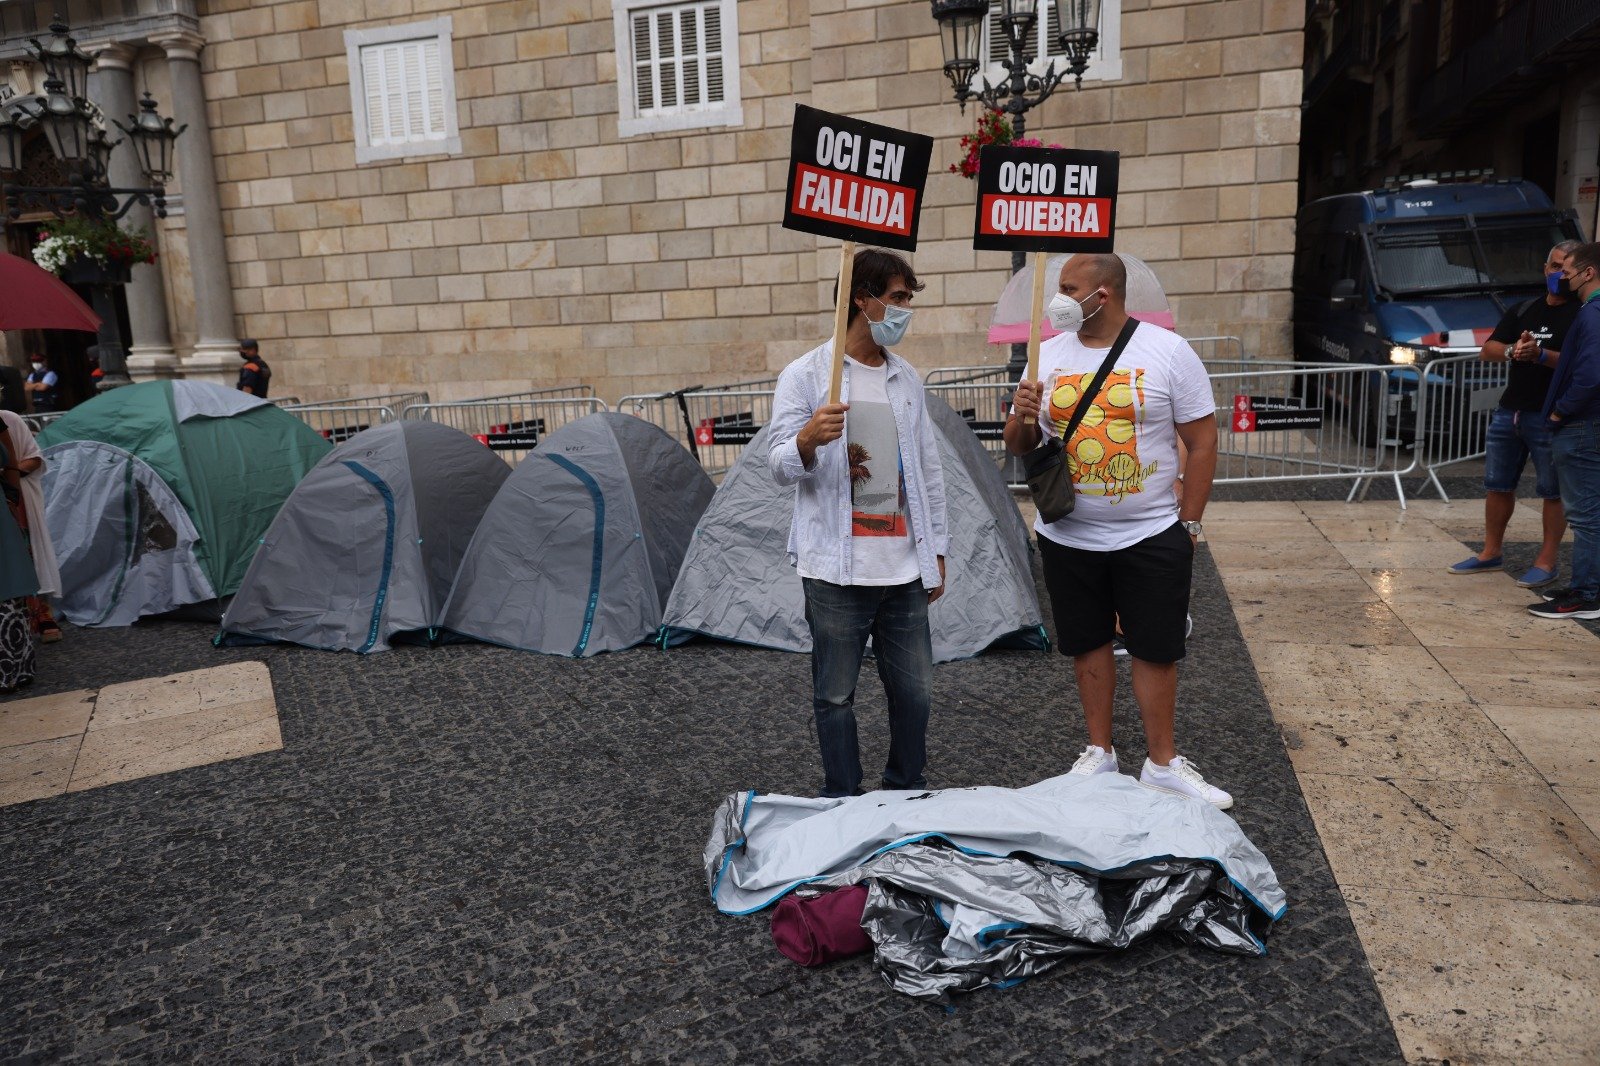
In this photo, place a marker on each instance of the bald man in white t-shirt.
(1127, 548)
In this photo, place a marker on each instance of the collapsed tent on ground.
(737, 583)
(978, 887)
(578, 552)
(367, 546)
(158, 493)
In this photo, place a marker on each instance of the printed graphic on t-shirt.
(1103, 455)
(877, 487)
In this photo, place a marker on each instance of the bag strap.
(1117, 348)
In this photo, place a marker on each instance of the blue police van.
(1399, 276)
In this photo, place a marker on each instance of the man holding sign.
(869, 533)
(1126, 548)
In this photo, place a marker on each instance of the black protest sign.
(855, 180)
(1045, 200)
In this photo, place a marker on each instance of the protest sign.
(1044, 200)
(856, 181)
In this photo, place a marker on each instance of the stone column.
(150, 354)
(216, 352)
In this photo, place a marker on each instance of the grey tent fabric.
(971, 887)
(125, 544)
(737, 583)
(201, 399)
(580, 549)
(367, 545)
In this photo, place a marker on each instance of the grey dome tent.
(737, 583)
(580, 549)
(367, 545)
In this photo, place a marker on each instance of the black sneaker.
(1552, 594)
(1567, 605)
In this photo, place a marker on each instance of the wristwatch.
(1191, 528)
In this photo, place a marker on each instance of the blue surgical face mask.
(1557, 284)
(892, 329)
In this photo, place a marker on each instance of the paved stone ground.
(472, 852)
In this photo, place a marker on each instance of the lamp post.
(961, 35)
(71, 126)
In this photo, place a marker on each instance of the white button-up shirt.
(820, 532)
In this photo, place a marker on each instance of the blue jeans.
(1514, 437)
(841, 618)
(1577, 454)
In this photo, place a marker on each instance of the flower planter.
(94, 272)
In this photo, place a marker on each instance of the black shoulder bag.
(1046, 465)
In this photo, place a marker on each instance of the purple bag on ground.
(814, 930)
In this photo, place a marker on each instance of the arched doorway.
(67, 350)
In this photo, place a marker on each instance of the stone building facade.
(534, 228)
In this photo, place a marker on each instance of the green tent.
(228, 458)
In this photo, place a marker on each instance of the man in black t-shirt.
(1529, 337)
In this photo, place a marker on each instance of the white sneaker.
(1181, 778)
(1095, 760)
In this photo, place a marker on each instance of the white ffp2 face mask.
(1066, 314)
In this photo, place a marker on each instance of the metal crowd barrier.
(1457, 396)
(39, 419)
(286, 401)
(722, 422)
(395, 401)
(670, 410)
(338, 423)
(660, 410)
(1288, 422)
(510, 425)
(983, 405)
(1217, 349)
(952, 375)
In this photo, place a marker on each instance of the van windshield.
(1446, 255)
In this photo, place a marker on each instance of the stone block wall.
(551, 250)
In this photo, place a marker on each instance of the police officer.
(255, 374)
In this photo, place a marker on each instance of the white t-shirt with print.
(1123, 457)
(882, 551)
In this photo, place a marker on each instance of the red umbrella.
(34, 298)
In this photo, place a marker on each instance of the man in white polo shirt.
(1127, 549)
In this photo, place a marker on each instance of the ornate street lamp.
(63, 62)
(66, 126)
(84, 147)
(960, 33)
(14, 128)
(152, 137)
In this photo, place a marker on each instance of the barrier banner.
(1045, 200)
(855, 180)
(512, 436)
(1260, 414)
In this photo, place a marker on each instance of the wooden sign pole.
(1032, 372)
(841, 317)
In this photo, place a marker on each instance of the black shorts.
(1146, 585)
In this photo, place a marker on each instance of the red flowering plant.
(993, 128)
(68, 239)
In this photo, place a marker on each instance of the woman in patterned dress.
(17, 583)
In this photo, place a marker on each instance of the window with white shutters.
(677, 65)
(1104, 65)
(402, 88)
